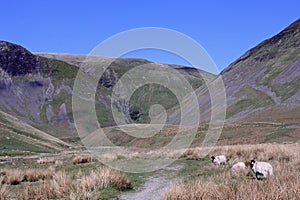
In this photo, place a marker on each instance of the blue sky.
(226, 29)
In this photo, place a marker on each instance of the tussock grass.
(16, 176)
(102, 178)
(86, 186)
(82, 159)
(284, 184)
(13, 177)
(277, 187)
(58, 187)
(33, 175)
(3, 190)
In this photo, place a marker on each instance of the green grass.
(248, 98)
(104, 115)
(275, 66)
(11, 146)
(195, 169)
(58, 69)
(43, 114)
(109, 193)
(62, 98)
(281, 135)
(62, 74)
(22, 136)
(287, 90)
(150, 94)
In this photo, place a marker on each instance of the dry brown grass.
(58, 187)
(103, 177)
(82, 159)
(86, 186)
(3, 190)
(285, 184)
(280, 187)
(16, 176)
(192, 154)
(46, 161)
(266, 152)
(33, 175)
(13, 177)
(59, 163)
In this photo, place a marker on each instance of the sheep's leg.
(265, 175)
(256, 175)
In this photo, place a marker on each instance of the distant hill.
(37, 88)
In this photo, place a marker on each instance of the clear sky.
(226, 29)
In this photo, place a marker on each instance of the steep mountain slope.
(265, 78)
(263, 93)
(27, 84)
(266, 75)
(38, 88)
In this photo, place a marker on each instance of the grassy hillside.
(19, 138)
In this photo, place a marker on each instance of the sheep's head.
(247, 163)
(252, 163)
(212, 158)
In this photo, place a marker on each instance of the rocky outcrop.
(28, 85)
(16, 60)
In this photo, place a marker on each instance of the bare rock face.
(27, 88)
(16, 60)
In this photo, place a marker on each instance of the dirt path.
(155, 186)
(152, 189)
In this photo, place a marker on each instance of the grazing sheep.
(238, 168)
(261, 168)
(219, 160)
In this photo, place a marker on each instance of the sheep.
(261, 168)
(219, 160)
(238, 168)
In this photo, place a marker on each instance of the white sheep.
(261, 168)
(219, 160)
(238, 168)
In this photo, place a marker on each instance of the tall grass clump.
(3, 190)
(16, 176)
(85, 186)
(104, 177)
(82, 159)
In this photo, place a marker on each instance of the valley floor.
(77, 175)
